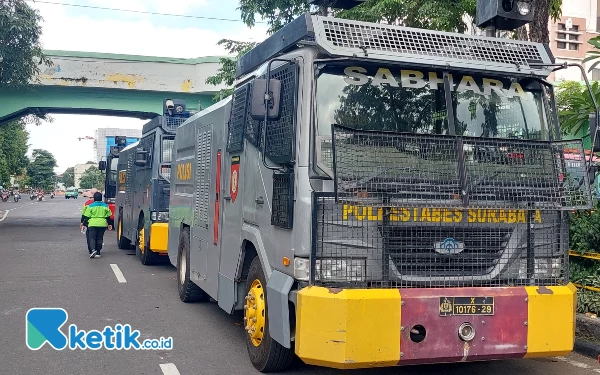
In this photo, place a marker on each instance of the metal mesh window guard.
(167, 149)
(172, 123)
(439, 211)
(237, 123)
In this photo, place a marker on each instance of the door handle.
(259, 200)
(227, 198)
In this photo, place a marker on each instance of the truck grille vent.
(172, 123)
(203, 175)
(363, 36)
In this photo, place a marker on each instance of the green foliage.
(68, 178)
(575, 105)
(41, 169)
(593, 54)
(20, 46)
(277, 13)
(588, 301)
(442, 15)
(585, 272)
(584, 233)
(555, 9)
(13, 150)
(226, 73)
(92, 178)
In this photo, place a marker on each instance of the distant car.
(71, 193)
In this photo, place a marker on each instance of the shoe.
(93, 254)
(98, 255)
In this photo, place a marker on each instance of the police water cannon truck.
(143, 184)
(374, 195)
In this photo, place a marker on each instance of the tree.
(442, 15)
(575, 105)
(20, 46)
(68, 178)
(41, 169)
(92, 178)
(226, 72)
(13, 150)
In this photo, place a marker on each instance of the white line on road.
(578, 364)
(4, 217)
(118, 273)
(169, 369)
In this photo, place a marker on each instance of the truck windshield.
(371, 97)
(112, 172)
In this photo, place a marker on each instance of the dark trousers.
(95, 237)
(87, 240)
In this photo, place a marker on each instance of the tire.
(268, 355)
(188, 291)
(147, 256)
(122, 242)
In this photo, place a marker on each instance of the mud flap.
(278, 289)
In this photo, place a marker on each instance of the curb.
(587, 349)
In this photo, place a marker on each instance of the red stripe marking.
(218, 189)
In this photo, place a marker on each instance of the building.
(105, 138)
(78, 172)
(569, 37)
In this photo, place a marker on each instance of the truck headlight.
(302, 269)
(543, 268)
(159, 216)
(340, 269)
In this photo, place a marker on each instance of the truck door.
(234, 193)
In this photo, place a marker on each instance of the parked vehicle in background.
(143, 186)
(71, 193)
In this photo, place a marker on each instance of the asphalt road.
(44, 263)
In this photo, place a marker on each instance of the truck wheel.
(122, 242)
(266, 354)
(146, 256)
(188, 291)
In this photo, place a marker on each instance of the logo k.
(43, 325)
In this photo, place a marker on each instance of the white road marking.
(118, 273)
(5, 215)
(169, 369)
(578, 364)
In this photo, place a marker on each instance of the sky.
(92, 30)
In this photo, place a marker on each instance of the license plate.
(450, 306)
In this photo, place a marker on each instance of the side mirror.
(594, 138)
(257, 109)
(141, 157)
(592, 174)
(102, 165)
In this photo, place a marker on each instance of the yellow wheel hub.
(255, 313)
(142, 240)
(119, 230)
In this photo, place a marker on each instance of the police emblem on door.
(235, 177)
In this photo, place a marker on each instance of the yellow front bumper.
(159, 237)
(352, 328)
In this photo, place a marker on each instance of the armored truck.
(142, 199)
(374, 195)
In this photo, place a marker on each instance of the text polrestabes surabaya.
(356, 75)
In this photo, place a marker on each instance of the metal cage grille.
(203, 176)
(349, 34)
(164, 191)
(449, 171)
(147, 143)
(282, 214)
(439, 211)
(172, 123)
(280, 133)
(359, 245)
(237, 122)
